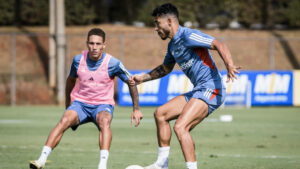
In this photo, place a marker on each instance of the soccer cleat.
(36, 165)
(154, 166)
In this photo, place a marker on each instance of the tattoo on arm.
(158, 72)
(134, 96)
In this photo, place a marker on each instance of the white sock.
(191, 165)
(163, 156)
(44, 155)
(103, 159)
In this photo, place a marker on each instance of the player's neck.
(174, 30)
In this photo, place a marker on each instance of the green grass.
(257, 138)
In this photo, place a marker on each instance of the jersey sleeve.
(75, 65)
(116, 68)
(196, 39)
(169, 59)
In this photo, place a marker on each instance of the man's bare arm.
(226, 57)
(158, 72)
(134, 96)
(71, 81)
(137, 114)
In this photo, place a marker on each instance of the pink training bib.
(93, 87)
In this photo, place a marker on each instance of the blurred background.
(38, 40)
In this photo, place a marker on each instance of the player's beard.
(164, 34)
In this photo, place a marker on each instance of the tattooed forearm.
(158, 72)
(134, 96)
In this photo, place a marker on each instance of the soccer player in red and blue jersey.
(189, 48)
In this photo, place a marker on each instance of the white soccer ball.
(134, 167)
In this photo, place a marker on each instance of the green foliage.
(214, 12)
(84, 12)
(7, 12)
(33, 12)
(293, 13)
(79, 13)
(125, 10)
(250, 12)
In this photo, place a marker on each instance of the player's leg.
(69, 118)
(193, 113)
(103, 120)
(163, 114)
(105, 135)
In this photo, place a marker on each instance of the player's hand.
(138, 79)
(137, 116)
(131, 82)
(232, 71)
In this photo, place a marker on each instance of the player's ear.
(169, 21)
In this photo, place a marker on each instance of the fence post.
(121, 47)
(52, 47)
(272, 53)
(13, 70)
(67, 60)
(60, 47)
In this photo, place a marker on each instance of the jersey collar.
(178, 34)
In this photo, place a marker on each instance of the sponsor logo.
(150, 87)
(179, 83)
(272, 83)
(239, 86)
(187, 64)
(142, 99)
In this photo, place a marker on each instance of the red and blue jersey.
(189, 48)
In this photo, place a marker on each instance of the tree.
(79, 13)
(34, 12)
(7, 12)
(293, 13)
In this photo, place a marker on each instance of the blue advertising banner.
(272, 88)
(155, 92)
(257, 88)
(238, 92)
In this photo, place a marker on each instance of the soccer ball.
(134, 167)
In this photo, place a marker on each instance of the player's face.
(96, 46)
(162, 27)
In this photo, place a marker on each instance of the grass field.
(257, 138)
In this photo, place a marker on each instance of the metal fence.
(24, 58)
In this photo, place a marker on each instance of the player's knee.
(104, 123)
(159, 114)
(65, 122)
(179, 129)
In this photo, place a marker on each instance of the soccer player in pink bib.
(90, 99)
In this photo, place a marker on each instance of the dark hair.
(96, 31)
(165, 9)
